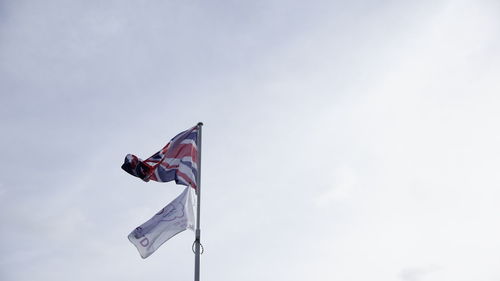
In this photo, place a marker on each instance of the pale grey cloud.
(417, 273)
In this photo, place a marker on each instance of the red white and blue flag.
(178, 161)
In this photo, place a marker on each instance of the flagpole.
(198, 202)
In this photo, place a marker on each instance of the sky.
(343, 140)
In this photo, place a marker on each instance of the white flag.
(176, 217)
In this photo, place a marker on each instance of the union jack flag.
(178, 161)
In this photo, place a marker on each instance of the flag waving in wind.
(176, 217)
(176, 161)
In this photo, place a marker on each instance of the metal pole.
(198, 201)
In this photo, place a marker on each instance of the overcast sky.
(343, 140)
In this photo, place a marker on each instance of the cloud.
(344, 180)
(418, 273)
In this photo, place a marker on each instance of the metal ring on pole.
(194, 250)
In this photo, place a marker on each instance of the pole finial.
(200, 123)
